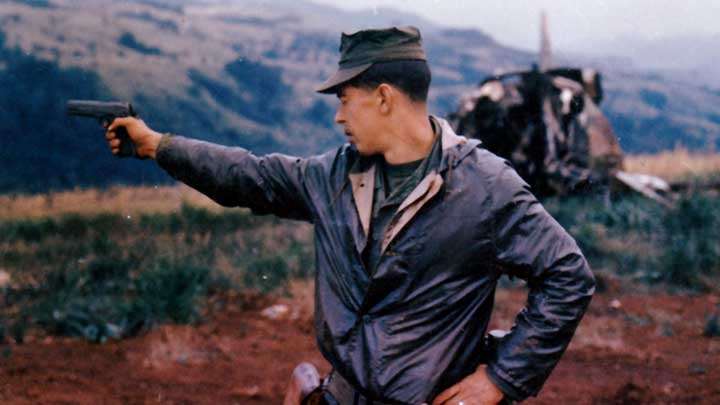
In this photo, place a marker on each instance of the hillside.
(242, 73)
(689, 57)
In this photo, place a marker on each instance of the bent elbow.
(586, 279)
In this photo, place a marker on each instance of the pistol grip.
(127, 147)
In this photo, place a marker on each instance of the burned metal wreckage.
(548, 124)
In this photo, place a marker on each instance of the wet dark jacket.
(416, 326)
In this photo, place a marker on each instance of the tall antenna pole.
(545, 50)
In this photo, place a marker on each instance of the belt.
(344, 392)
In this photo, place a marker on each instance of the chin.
(362, 151)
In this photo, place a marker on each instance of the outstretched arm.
(272, 184)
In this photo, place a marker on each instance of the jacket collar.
(455, 147)
(362, 174)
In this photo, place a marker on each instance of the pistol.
(105, 112)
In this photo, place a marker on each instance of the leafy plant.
(635, 236)
(105, 300)
(105, 276)
(266, 273)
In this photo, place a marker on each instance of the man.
(413, 227)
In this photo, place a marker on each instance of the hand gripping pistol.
(105, 112)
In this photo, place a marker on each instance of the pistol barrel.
(99, 109)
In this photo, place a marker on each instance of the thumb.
(119, 122)
(447, 395)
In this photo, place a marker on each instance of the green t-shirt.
(393, 184)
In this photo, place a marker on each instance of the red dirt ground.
(630, 349)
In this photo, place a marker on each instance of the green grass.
(635, 237)
(112, 276)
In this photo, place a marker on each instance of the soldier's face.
(359, 115)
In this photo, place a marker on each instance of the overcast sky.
(572, 22)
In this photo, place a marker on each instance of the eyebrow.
(342, 90)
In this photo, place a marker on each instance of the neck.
(411, 136)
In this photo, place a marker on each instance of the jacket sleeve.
(530, 244)
(232, 176)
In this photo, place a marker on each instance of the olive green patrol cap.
(360, 50)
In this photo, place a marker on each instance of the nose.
(339, 117)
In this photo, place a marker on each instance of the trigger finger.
(112, 124)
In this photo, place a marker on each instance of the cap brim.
(340, 77)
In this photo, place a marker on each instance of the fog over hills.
(690, 58)
(242, 73)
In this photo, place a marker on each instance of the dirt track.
(638, 349)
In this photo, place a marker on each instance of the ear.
(386, 98)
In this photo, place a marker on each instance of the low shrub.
(109, 276)
(691, 242)
(169, 292)
(266, 273)
(635, 236)
(105, 300)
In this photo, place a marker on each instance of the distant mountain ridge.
(242, 73)
(690, 58)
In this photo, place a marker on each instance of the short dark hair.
(412, 77)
